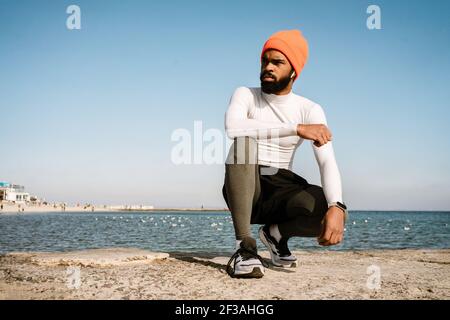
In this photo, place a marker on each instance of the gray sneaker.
(247, 262)
(279, 251)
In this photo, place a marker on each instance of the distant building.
(13, 193)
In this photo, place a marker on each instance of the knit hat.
(292, 44)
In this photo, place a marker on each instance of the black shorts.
(285, 196)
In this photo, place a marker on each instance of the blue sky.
(87, 115)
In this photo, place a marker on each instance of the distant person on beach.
(268, 124)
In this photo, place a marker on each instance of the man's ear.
(293, 74)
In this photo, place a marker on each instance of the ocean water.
(207, 231)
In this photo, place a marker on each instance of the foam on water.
(207, 231)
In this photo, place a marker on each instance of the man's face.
(276, 71)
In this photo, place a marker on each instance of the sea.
(203, 231)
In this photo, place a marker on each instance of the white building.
(13, 193)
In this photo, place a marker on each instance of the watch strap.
(341, 206)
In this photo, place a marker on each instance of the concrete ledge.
(92, 258)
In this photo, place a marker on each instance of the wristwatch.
(341, 206)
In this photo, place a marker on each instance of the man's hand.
(332, 227)
(317, 132)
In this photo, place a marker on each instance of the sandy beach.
(129, 273)
(9, 208)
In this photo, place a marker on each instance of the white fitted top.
(272, 120)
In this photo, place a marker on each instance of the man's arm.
(237, 123)
(333, 223)
(324, 154)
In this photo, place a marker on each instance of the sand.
(128, 273)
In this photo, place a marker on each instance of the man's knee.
(310, 202)
(244, 150)
(321, 204)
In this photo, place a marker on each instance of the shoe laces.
(246, 254)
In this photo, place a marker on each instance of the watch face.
(342, 205)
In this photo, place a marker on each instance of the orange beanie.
(292, 44)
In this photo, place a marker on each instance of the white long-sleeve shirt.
(250, 114)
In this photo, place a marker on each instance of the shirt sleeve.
(237, 123)
(329, 172)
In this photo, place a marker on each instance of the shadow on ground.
(217, 260)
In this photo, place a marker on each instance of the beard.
(273, 86)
